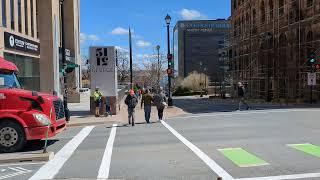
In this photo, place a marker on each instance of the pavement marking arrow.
(204, 157)
(51, 168)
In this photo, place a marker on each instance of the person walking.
(242, 96)
(147, 100)
(131, 101)
(97, 100)
(160, 101)
(108, 107)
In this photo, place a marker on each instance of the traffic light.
(170, 60)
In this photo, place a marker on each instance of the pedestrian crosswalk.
(241, 157)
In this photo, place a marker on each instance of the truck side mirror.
(40, 99)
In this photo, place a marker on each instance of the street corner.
(25, 157)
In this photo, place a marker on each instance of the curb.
(90, 124)
(23, 157)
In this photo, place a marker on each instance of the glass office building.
(197, 42)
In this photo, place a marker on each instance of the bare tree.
(155, 67)
(123, 66)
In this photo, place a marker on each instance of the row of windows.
(240, 24)
(21, 5)
(281, 3)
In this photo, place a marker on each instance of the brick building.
(270, 42)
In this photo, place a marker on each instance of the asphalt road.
(233, 145)
(196, 105)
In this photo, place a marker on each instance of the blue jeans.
(147, 112)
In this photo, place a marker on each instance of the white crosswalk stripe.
(50, 169)
(106, 160)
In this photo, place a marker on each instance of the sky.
(106, 22)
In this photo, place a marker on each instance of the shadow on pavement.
(197, 106)
(37, 145)
(129, 125)
(80, 113)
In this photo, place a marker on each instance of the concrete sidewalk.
(80, 114)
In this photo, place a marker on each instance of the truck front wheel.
(12, 136)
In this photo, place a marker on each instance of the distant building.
(196, 43)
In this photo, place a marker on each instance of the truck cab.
(25, 115)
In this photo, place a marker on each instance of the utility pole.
(168, 20)
(131, 73)
(159, 67)
(64, 62)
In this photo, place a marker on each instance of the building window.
(29, 70)
(309, 3)
(281, 7)
(26, 26)
(32, 18)
(271, 9)
(19, 16)
(309, 36)
(12, 13)
(4, 13)
(263, 12)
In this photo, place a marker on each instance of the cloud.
(146, 56)
(142, 43)
(88, 37)
(189, 14)
(121, 49)
(120, 31)
(93, 37)
(83, 38)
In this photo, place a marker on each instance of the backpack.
(131, 101)
(241, 91)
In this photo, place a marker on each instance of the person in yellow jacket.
(97, 100)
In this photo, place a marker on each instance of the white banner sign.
(312, 79)
(103, 70)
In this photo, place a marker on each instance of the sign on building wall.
(12, 41)
(312, 79)
(103, 70)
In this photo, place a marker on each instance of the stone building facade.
(270, 42)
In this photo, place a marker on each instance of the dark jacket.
(241, 91)
(158, 100)
(131, 101)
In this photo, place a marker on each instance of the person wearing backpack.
(160, 102)
(131, 101)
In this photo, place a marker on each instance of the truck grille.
(58, 109)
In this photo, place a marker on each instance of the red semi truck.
(25, 115)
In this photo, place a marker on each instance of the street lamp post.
(64, 61)
(201, 83)
(168, 21)
(159, 67)
(205, 80)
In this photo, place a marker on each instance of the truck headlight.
(43, 119)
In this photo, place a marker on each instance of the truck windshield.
(9, 80)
